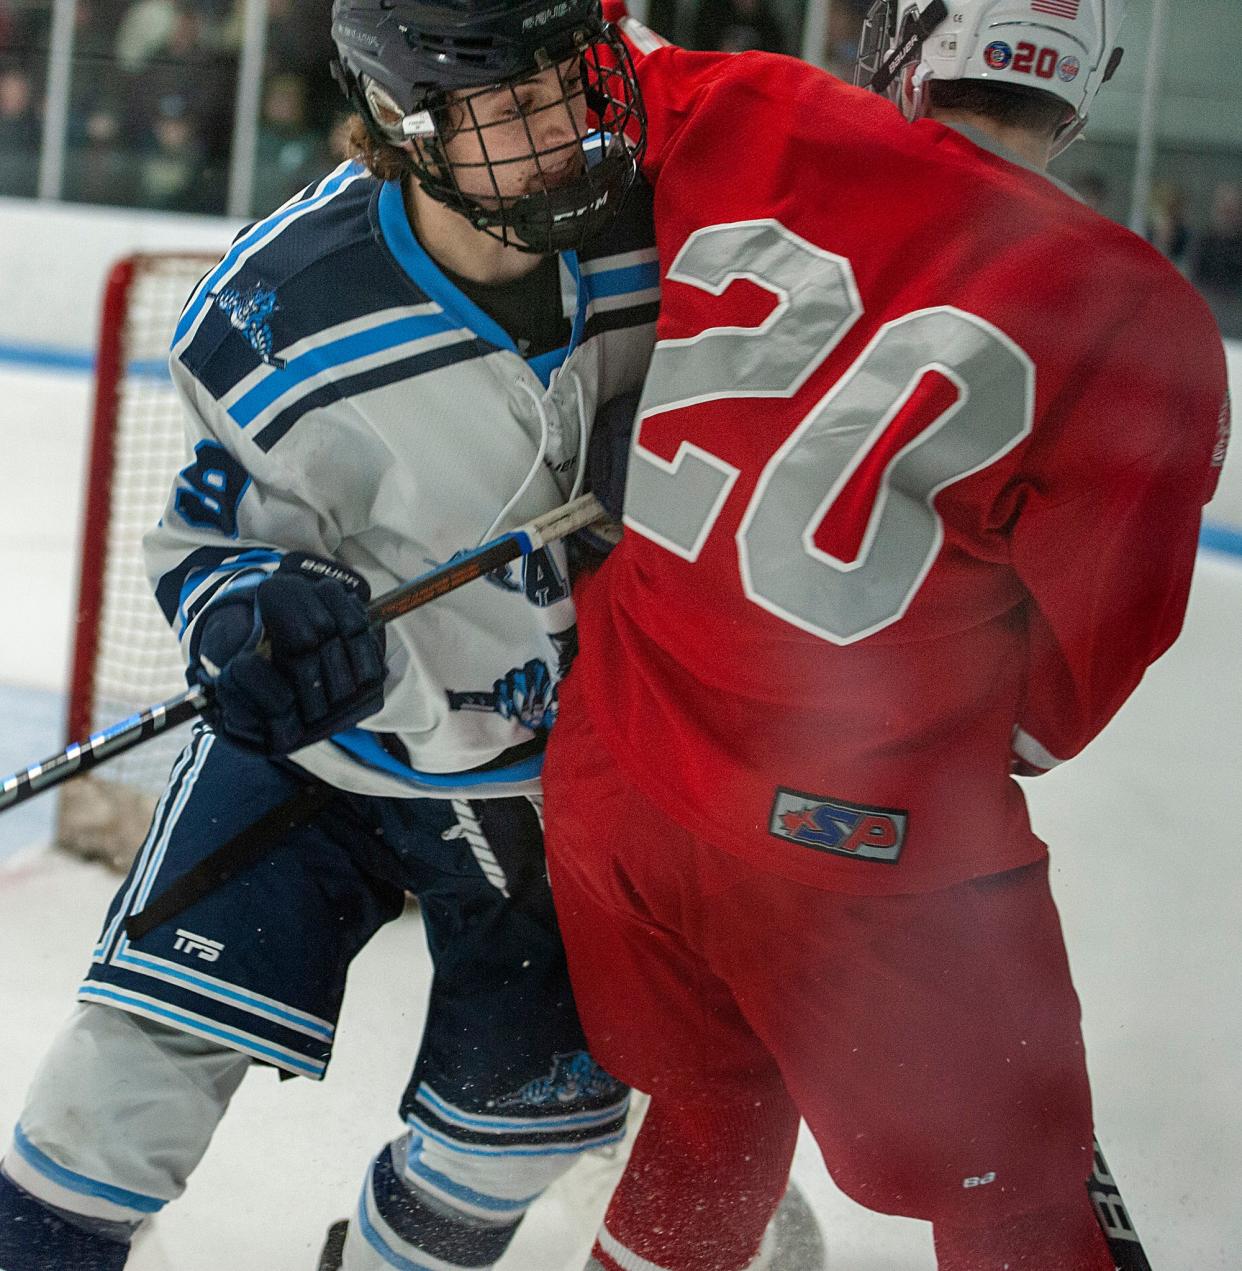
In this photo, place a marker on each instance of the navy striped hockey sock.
(401, 1222)
(36, 1238)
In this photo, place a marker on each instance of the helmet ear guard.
(390, 120)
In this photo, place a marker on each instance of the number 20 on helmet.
(1066, 48)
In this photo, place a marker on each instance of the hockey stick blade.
(1114, 1218)
(80, 757)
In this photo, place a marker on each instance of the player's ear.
(907, 90)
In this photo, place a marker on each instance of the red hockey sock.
(1066, 1238)
(701, 1186)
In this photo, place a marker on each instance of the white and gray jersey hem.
(325, 762)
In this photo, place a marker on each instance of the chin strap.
(1067, 135)
(920, 98)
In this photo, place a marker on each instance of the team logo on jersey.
(248, 312)
(998, 55)
(844, 829)
(543, 581)
(528, 693)
(574, 1077)
(524, 693)
(1069, 69)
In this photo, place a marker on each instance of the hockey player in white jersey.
(402, 361)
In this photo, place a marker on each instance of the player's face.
(520, 138)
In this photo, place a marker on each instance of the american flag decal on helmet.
(1057, 8)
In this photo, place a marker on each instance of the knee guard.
(119, 1114)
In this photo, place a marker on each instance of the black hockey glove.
(608, 459)
(291, 661)
(608, 456)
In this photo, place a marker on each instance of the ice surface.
(1146, 864)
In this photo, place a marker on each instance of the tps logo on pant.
(832, 825)
(197, 946)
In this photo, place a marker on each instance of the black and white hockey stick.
(82, 756)
(1114, 1218)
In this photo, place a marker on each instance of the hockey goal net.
(124, 655)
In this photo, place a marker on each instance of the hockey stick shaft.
(1114, 1218)
(80, 757)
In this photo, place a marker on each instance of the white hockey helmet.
(1064, 47)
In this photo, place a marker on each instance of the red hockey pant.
(930, 1041)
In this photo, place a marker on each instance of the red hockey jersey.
(915, 490)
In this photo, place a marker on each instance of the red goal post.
(124, 655)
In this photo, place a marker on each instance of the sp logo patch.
(843, 829)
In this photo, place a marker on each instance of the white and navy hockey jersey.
(343, 398)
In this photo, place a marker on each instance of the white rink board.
(54, 258)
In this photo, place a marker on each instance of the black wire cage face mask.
(874, 41)
(541, 161)
(883, 51)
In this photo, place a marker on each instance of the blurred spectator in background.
(172, 168)
(95, 27)
(299, 41)
(97, 169)
(662, 17)
(175, 71)
(845, 22)
(1215, 259)
(1168, 229)
(24, 28)
(1092, 188)
(734, 26)
(20, 128)
(290, 152)
(101, 167)
(145, 33)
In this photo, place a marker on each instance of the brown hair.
(1009, 104)
(380, 159)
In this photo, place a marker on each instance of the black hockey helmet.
(412, 69)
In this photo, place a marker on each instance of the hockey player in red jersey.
(912, 502)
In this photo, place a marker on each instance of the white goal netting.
(126, 657)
